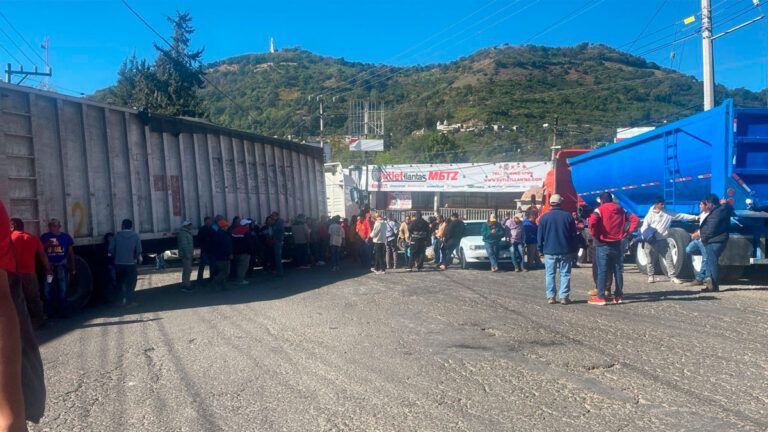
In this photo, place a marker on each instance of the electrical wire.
(10, 54)
(648, 24)
(18, 47)
(203, 76)
(34, 51)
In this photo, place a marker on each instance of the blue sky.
(89, 39)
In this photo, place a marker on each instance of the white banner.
(362, 144)
(399, 201)
(479, 177)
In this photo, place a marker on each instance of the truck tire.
(81, 286)
(642, 259)
(677, 240)
(463, 259)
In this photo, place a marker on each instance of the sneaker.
(617, 300)
(677, 281)
(373, 269)
(495, 270)
(320, 263)
(696, 283)
(651, 279)
(565, 301)
(597, 301)
(551, 300)
(709, 286)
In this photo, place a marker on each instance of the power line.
(648, 24)
(10, 54)
(2, 15)
(17, 47)
(203, 76)
(568, 17)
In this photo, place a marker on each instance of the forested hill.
(590, 89)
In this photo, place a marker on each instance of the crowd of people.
(611, 227)
(233, 250)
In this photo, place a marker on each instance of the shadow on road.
(263, 287)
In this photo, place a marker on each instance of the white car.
(472, 247)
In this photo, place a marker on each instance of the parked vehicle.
(723, 151)
(92, 165)
(472, 248)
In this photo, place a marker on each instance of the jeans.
(610, 256)
(392, 253)
(714, 250)
(300, 254)
(335, 250)
(533, 256)
(492, 249)
(277, 250)
(206, 259)
(551, 263)
(449, 248)
(418, 247)
(31, 289)
(186, 271)
(56, 291)
(126, 280)
(436, 248)
(659, 247)
(516, 250)
(222, 272)
(697, 245)
(241, 261)
(379, 252)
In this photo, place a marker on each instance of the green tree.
(179, 72)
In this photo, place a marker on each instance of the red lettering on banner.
(443, 175)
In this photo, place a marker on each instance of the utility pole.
(322, 136)
(555, 147)
(708, 61)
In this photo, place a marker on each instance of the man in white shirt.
(336, 237)
(659, 218)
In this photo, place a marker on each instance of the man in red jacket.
(609, 224)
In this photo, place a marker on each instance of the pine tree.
(179, 72)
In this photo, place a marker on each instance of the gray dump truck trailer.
(91, 165)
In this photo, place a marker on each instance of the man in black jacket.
(420, 232)
(205, 241)
(714, 235)
(452, 234)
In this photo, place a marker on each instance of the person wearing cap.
(557, 241)
(492, 233)
(609, 224)
(655, 231)
(126, 250)
(186, 251)
(59, 248)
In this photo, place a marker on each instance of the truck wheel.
(677, 240)
(463, 259)
(81, 286)
(642, 259)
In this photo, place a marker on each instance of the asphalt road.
(432, 351)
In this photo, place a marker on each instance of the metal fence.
(466, 214)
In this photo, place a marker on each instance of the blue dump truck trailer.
(723, 151)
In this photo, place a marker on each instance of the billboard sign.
(480, 177)
(365, 144)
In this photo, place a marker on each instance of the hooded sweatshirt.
(379, 233)
(607, 224)
(126, 248)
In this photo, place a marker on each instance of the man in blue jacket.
(557, 241)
